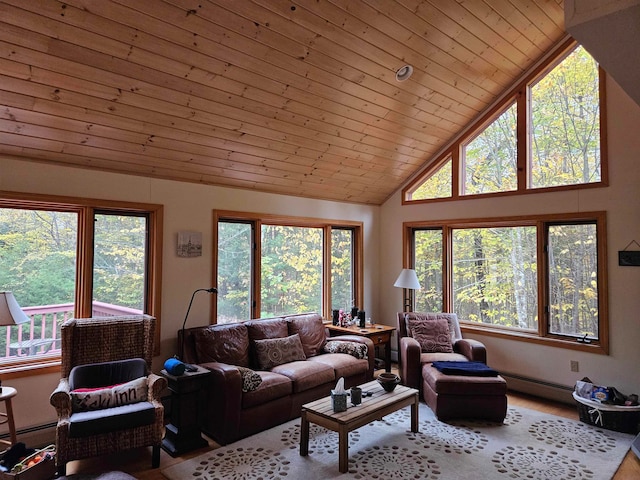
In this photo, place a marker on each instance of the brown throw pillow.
(433, 335)
(272, 352)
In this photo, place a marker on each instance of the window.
(546, 133)
(294, 265)
(291, 270)
(119, 263)
(489, 160)
(65, 258)
(531, 278)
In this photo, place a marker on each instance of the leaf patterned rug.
(529, 445)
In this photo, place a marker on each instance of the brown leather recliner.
(450, 396)
(411, 359)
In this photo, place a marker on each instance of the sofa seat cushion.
(444, 384)
(431, 357)
(93, 422)
(343, 364)
(306, 374)
(273, 386)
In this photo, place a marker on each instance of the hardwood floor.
(137, 462)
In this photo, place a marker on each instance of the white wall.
(621, 201)
(186, 207)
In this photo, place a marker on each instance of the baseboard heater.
(37, 436)
(539, 388)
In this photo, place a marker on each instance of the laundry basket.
(612, 417)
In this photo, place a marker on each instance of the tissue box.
(339, 401)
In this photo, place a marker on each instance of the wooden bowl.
(388, 381)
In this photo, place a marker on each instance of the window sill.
(526, 337)
(21, 370)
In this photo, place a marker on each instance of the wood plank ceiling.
(296, 97)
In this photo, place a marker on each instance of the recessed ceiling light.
(404, 73)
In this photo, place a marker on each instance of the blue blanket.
(470, 369)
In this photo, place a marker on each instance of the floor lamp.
(407, 279)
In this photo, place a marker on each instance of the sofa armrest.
(410, 365)
(221, 417)
(371, 352)
(474, 350)
(60, 399)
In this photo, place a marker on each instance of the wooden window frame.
(541, 222)
(520, 93)
(85, 208)
(259, 219)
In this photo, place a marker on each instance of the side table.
(183, 433)
(6, 395)
(379, 335)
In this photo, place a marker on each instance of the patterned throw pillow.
(250, 379)
(87, 399)
(272, 352)
(433, 335)
(355, 349)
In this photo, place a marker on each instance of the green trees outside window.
(546, 133)
(287, 268)
(502, 268)
(65, 258)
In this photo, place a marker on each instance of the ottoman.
(461, 396)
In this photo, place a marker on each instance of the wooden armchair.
(94, 351)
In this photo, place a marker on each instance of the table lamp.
(10, 311)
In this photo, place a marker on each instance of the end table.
(380, 335)
(183, 433)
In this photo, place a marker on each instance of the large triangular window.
(545, 134)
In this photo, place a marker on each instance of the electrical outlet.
(575, 367)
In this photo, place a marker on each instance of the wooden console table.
(379, 335)
(183, 433)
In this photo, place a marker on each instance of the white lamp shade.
(10, 311)
(407, 279)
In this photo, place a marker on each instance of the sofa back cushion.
(226, 343)
(311, 331)
(267, 328)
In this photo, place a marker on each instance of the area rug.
(529, 445)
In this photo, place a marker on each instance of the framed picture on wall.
(189, 244)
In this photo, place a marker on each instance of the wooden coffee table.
(372, 408)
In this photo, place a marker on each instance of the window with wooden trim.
(267, 265)
(548, 133)
(539, 278)
(65, 258)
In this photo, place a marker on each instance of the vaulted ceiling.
(297, 97)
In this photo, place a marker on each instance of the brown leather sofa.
(229, 413)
